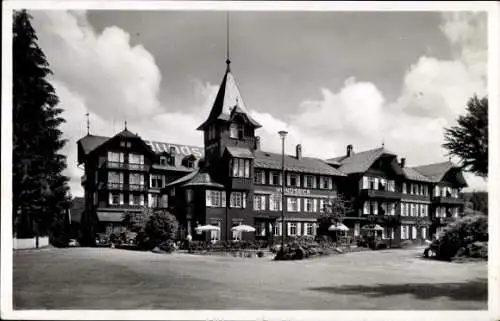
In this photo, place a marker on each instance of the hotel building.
(231, 181)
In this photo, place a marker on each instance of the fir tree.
(40, 191)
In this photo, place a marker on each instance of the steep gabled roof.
(359, 162)
(303, 165)
(91, 142)
(414, 175)
(435, 171)
(199, 177)
(228, 97)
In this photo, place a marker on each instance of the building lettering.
(295, 191)
(179, 149)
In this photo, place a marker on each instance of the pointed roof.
(127, 134)
(359, 162)
(199, 177)
(228, 97)
(414, 175)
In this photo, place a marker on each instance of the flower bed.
(299, 250)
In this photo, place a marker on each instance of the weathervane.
(88, 123)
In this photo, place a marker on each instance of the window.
(115, 157)
(157, 181)
(260, 229)
(211, 132)
(115, 198)
(190, 163)
(326, 182)
(259, 202)
(171, 160)
(277, 229)
(215, 235)
(292, 204)
(189, 195)
(404, 188)
(405, 232)
(163, 160)
(292, 180)
(236, 131)
(237, 200)
(388, 233)
(275, 202)
(135, 159)
(259, 177)
(391, 186)
(293, 228)
(136, 179)
(309, 229)
(240, 167)
(308, 205)
(309, 181)
(426, 190)
(136, 199)
(213, 198)
(154, 200)
(115, 177)
(275, 178)
(164, 201)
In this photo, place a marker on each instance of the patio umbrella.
(338, 227)
(373, 228)
(208, 227)
(243, 228)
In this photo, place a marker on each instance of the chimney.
(403, 162)
(257, 143)
(298, 150)
(172, 150)
(349, 150)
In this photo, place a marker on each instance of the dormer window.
(171, 160)
(163, 160)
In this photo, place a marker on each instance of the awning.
(110, 216)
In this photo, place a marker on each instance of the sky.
(329, 78)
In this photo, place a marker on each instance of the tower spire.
(88, 123)
(228, 61)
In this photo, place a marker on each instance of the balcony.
(240, 183)
(376, 193)
(443, 220)
(448, 200)
(126, 166)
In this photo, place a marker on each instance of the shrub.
(160, 227)
(260, 254)
(168, 246)
(464, 236)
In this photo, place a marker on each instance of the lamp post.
(282, 134)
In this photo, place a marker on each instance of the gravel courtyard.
(102, 278)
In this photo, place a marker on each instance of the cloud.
(104, 74)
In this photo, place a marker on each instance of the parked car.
(73, 243)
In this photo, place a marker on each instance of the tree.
(335, 211)
(160, 227)
(469, 139)
(40, 191)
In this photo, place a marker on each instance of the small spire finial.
(88, 123)
(228, 61)
(125, 125)
(383, 144)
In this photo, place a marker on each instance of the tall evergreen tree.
(40, 191)
(469, 139)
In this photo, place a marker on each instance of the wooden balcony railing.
(448, 200)
(374, 193)
(127, 166)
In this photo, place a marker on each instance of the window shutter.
(321, 205)
(110, 199)
(281, 202)
(375, 208)
(223, 198)
(314, 229)
(131, 199)
(297, 183)
(281, 179)
(376, 182)
(208, 201)
(289, 225)
(271, 181)
(366, 207)
(142, 159)
(299, 200)
(247, 168)
(289, 204)
(122, 157)
(142, 200)
(244, 200)
(299, 229)
(142, 180)
(402, 232)
(414, 232)
(263, 202)
(263, 177)
(255, 204)
(330, 183)
(315, 181)
(315, 205)
(365, 182)
(288, 180)
(121, 198)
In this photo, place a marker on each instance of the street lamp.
(282, 134)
